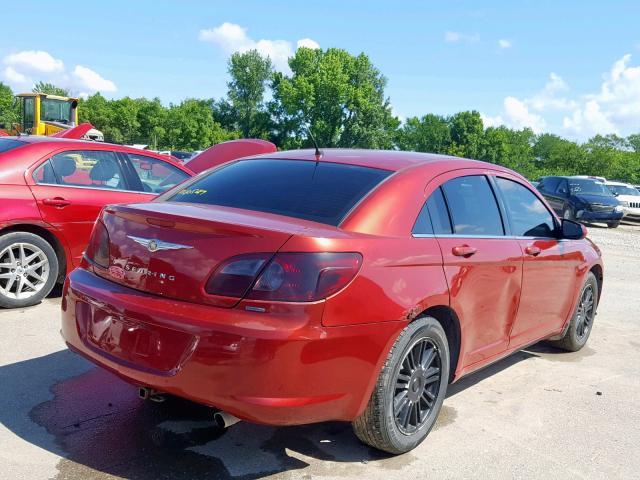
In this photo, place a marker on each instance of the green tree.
(634, 142)
(339, 96)
(8, 107)
(466, 134)
(190, 126)
(50, 89)
(152, 119)
(250, 74)
(427, 134)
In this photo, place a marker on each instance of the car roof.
(393, 160)
(619, 184)
(57, 141)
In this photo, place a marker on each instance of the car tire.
(581, 323)
(383, 424)
(25, 285)
(613, 224)
(567, 213)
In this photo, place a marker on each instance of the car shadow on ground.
(96, 422)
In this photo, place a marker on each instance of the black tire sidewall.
(425, 327)
(572, 334)
(41, 243)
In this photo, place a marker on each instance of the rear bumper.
(280, 367)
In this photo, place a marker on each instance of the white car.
(627, 195)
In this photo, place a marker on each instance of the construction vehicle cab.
(44, 114)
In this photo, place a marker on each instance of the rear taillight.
(287, 277)
(98, 248)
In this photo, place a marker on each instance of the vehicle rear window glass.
(473, 206)
(549, 184)
(439, 213)
(317, 191)
(434, 217)
(7, 144)
(528, 215)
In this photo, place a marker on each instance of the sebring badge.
(154, 245)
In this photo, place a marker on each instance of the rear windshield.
(316, 191)
(7, 144)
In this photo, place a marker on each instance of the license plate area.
(132, 342)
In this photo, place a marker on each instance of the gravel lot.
(538, 414)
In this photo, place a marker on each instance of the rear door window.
(89, 168)
(434, 217)
(318, 191)
(473, 206)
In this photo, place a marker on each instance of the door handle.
(463, 251)
(58, 202)
(532, 250)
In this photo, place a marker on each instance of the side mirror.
(615, 194)
(572, 230)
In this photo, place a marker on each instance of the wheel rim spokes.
(416, 386)
(24, 270)
(586, 312)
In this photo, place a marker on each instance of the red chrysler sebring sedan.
(293, 288)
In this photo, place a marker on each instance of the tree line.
(339, 98)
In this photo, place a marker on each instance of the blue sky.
(570, 67)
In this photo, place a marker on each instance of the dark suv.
(582, 199)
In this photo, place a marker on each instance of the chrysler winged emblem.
(154, 245)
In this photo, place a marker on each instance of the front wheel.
(28, 269)
(410, 390)
(613, 224)
(581, 323)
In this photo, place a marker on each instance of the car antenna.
(315, 144)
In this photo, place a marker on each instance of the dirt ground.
(540, 413)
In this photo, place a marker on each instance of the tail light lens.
(235, 276)
(98, 249)
(288, 277)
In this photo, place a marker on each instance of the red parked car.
(356, 285)
(52, 190)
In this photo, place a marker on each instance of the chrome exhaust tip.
(224, 419)
(146, 393)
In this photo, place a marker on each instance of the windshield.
(588, 187)
(55, 111)
(321, 192)
(624, 190)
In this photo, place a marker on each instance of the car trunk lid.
(171, 249)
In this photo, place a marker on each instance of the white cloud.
(615, 108)
(308, 43)
(34, 61)
(504, 43)
(518, 115)
(548, 99)
(24, 69)
(231, 38)
(457, 37)
(14, 77)
(90, 80)
(515, 114)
